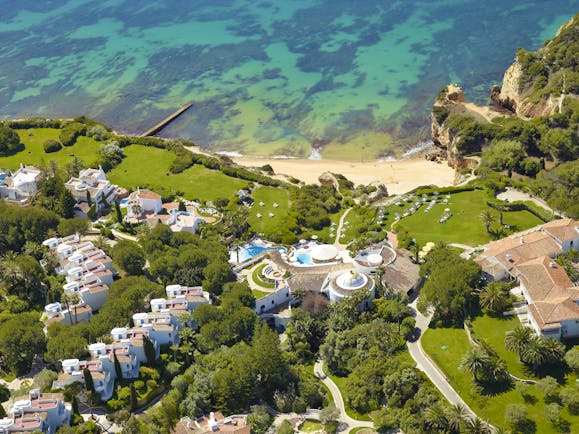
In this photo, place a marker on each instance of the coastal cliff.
(536, 84)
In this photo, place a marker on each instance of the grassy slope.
(33, 153)
(489, 406)
(150, 166)
(465, 226)
(269, 196)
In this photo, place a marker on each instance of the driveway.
(346, 422)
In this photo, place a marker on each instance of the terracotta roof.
(563, 230)
(519, 248)
(145, 194)
(551, 291)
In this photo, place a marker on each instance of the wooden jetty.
(154, 130)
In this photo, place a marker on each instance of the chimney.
(522, 239)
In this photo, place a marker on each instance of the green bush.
(52, 145)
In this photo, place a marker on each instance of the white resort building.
(35, 412)
(88, 272)
(143, 202)
(162, 326)
(339, 285)
(21, 185)
(552, 299)
(93, 182)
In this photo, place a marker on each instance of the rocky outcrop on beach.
(536, 84)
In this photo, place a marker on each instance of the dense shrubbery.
(52, 145)
(9, 140)
(311, 205)
(70, 132)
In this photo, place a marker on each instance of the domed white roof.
(351, 280)
(324, 252)
(375, 259)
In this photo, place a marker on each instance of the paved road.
(345, 420)
(432, 371)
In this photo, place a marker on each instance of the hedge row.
(429, 189)
(185, 159)
(33, 123)
(520, 205)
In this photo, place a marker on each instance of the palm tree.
(435, 419)
(493, 297)
(10, 269)
(457, 415)
(553, 349)
(488, 219)
(534, 352)
(475, 361)
(71, 300)
(517, 339)
(477, 426)
(497, 370)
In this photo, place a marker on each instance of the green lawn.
(465, 226)
(446, 347)
(259, 294)
(493, 330)
(268, 195)
(148, 166)
(310, 426)
(33, 153)
(259, 278)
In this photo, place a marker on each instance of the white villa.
(94, 182)
(162, 326)
(552, 299)
(142, 202)
(37, 411)
(339, 285)
(88, 272)
(20, 185)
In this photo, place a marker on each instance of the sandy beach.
(399, 176)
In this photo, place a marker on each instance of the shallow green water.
(266, 77)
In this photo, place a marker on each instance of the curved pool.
(249, 251)
(304, 258)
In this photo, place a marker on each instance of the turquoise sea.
(266, 77)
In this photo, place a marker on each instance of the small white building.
(142, 202)
(339, 285)
(44, 412)
(94, 182)
(21, 184)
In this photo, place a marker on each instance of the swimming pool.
(304, 258)
(251, 250)
(123, 202)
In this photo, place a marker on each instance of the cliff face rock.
(509, 96)
(450, 100)
(536, 84)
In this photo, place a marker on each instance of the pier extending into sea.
(154, 130)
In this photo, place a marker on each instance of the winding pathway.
(339, 401)
(426, 365)
(339, 229)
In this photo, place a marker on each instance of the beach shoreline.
(399, 176)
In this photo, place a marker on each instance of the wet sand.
(399, 176)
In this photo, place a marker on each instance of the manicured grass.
(259, 294)
(259, 278)
(465, 226)
(33, 153)
(268, 195)
(310, 426)
(493, 330)
(489, 405)
(148, 166)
